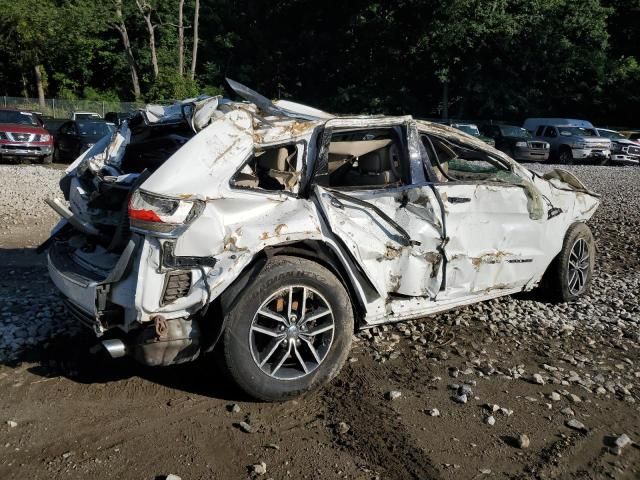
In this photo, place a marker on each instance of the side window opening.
(371, 158)
(273, 169)
(452, 162)
(540, 131)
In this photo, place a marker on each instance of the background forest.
(492, 59)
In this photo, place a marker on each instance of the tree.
(147, 10)
(194, 54)
(121, 27)
(181, 38)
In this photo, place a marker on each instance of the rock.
(490, 420)
(506, 412)
(342, 428)
(623, 441)
(245, 427)
(523, 441)
(433, 412)
(537, 378)
(66, 455)
(171, 476)
(492, 407)
(555, 396)
(460, 398)
(259, 468)
(576, 425)
(235, 408)
(567, 411)
(393, 395)
(574, 398)
(465, 390)
(12, 424)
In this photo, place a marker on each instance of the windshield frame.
(572, 131)
(508, 130)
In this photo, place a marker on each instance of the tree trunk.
(445, 100)
(122, 29)
(38, 69)
(145, 10)
(180, 39)
(194, 54)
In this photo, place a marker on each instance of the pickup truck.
(571, 140)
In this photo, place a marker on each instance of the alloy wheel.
(291, 333)
(578, 271)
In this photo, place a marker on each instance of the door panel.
(493, 242)
(405, 260)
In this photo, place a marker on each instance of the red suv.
(23, 138)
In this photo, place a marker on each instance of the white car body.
(413, 249)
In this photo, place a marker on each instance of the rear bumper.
(89, 292)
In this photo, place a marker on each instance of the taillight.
(162, 215)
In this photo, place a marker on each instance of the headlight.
(45, 138)
(521, 144)
(162, 215)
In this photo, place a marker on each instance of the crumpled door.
(395, 235)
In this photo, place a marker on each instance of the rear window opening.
(273, 169)
(366, 158)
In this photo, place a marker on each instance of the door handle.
(458, 199)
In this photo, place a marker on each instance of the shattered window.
(366, 158)
(453, 162)
(274, 169)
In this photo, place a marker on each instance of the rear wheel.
(571, 272)
(290, 332)
(47, 159)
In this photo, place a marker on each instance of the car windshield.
(23, 118)
(611, 134)
(95, 128)
(577, 132)
(511, 131)
(470, 129)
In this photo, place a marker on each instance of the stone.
(623, 441)
(433, 412)
(171, 476)
(342, 428)
(555, 396)
(12, 424)
(245, 427)
(567, 411)
(235, 408)
(574, 398)
(490, 420)
(576, 425)
(523, 441)
(259, 468)
(460, 398)
(393, 395)
(506, 412)
(537, 378)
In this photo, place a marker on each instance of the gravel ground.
(511, 388)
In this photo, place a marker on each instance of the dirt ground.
(67, 414)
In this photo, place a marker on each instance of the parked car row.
(27, 137)
(562, 140)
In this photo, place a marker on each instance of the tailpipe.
(115, 347)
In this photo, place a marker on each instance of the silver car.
(272, 231)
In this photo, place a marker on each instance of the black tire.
(56, 154)
(604, 161)
(566, 157)
(47, 159)
(240, 349)
(558, 281)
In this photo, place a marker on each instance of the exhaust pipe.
(115, 347)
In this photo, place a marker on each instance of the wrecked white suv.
(273, 231)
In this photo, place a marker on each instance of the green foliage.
(501, 59)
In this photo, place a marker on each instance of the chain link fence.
(58, 108)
